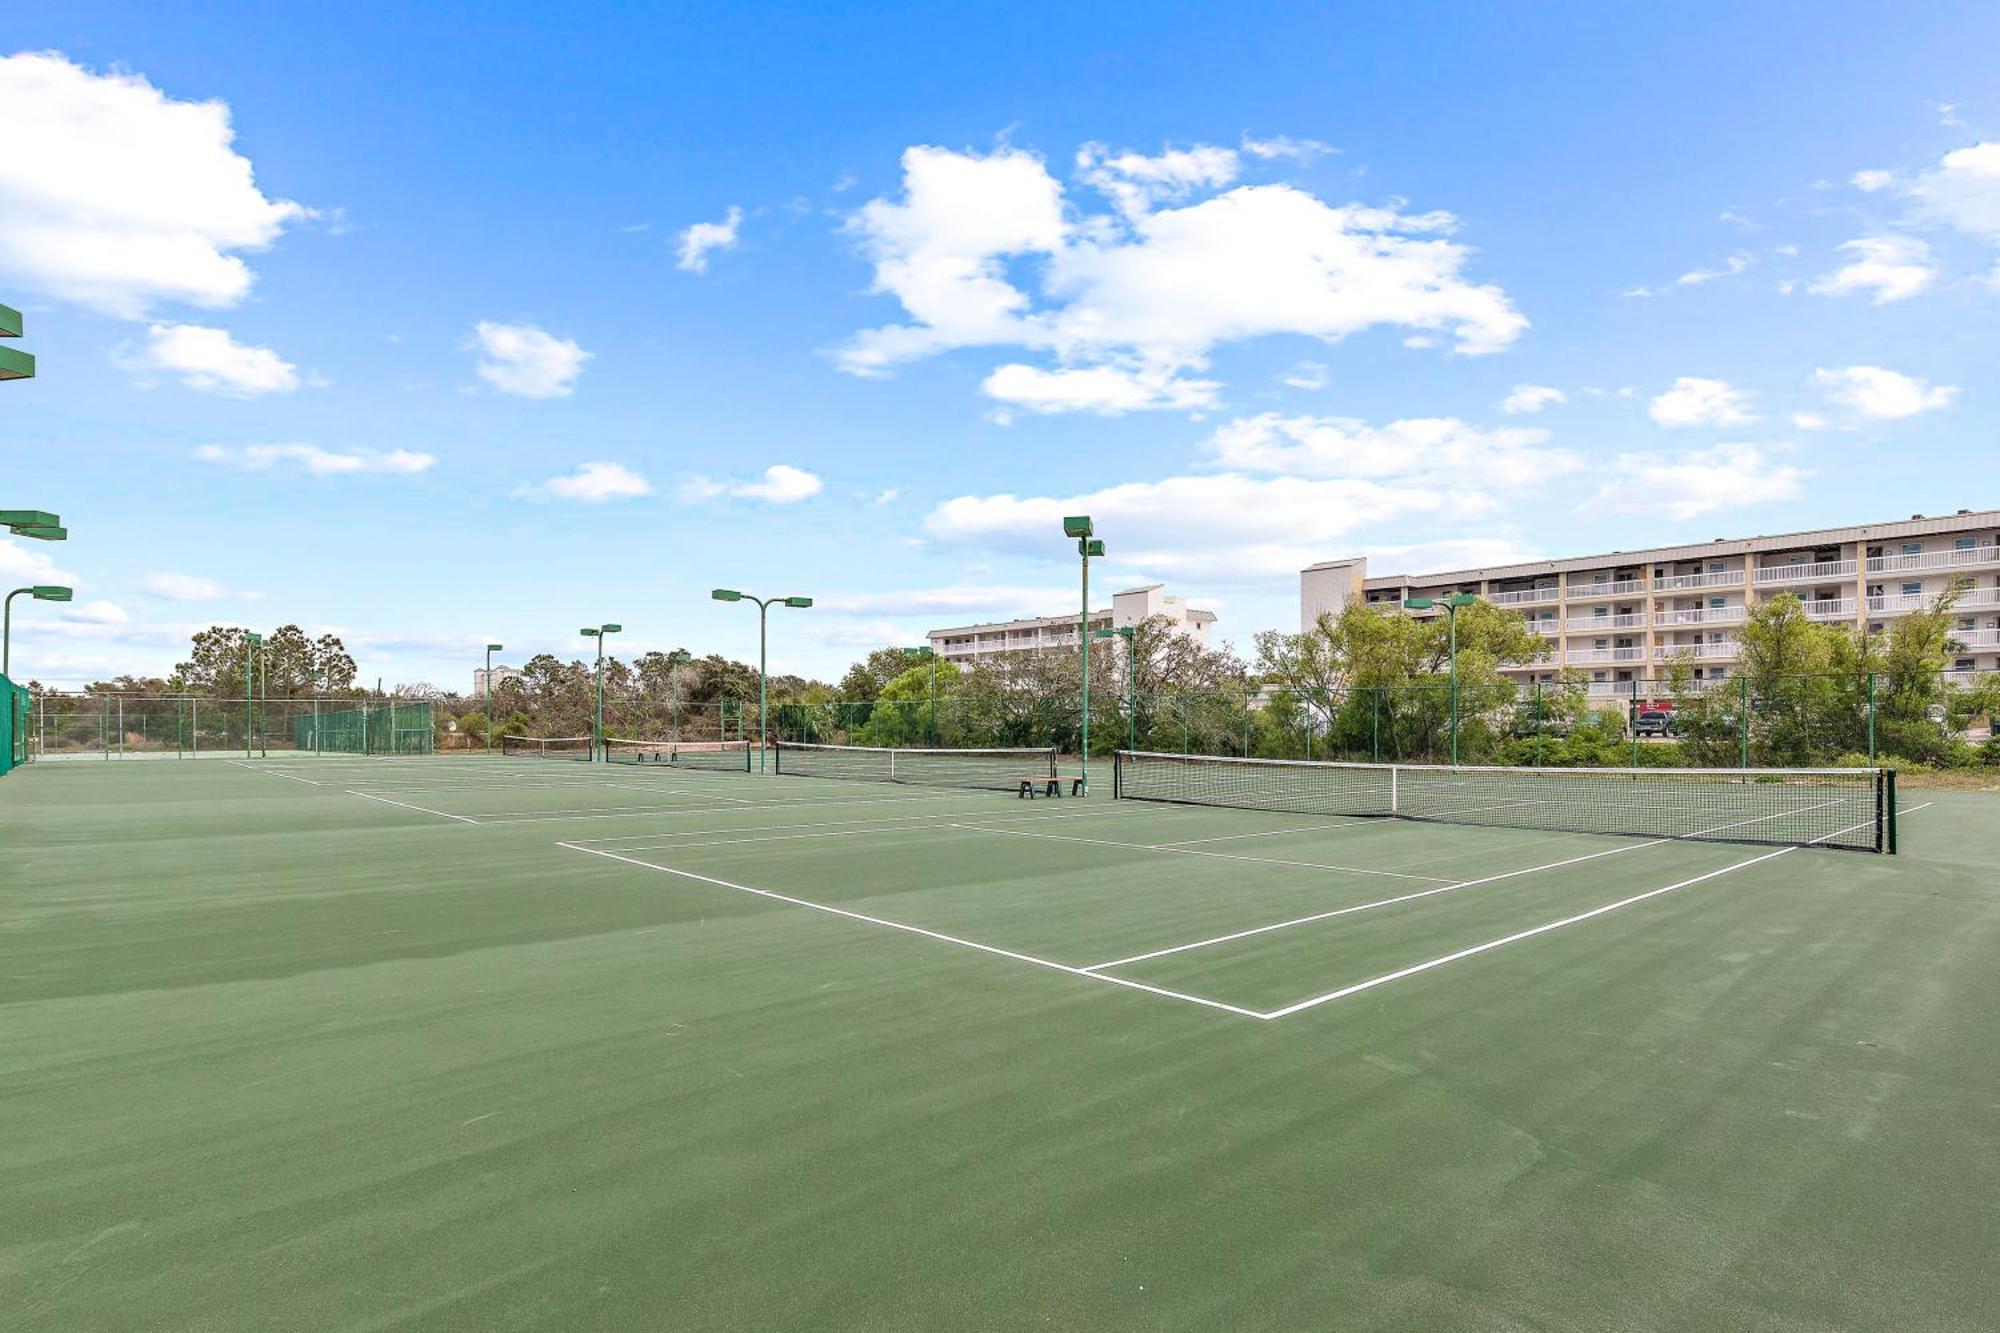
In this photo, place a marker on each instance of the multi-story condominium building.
(1134, 606)
(1627, 615)
(481, 681)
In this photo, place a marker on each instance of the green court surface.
(490, 1044)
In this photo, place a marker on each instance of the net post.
(1117, 774)
(1886, 797)
(1395, 789)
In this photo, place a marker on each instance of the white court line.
(1227, 856)
(272, 772)
(891, 824)
(366, 796)
(1268, 833)
(1364, 907)
(774, 805)
(1516, 937)
(1050, 964)
(1866, 823)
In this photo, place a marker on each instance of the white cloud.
(701, 238)
(117, 196)
(889, 496)
(316, 461)
(529, 362)
(956, 599)
(1880, 394)
(1147, 290)
(210, 360)
(1812, 421)
(1305, 375)
(1429, 451)
(1136, 184)
(782, 484)
(1871, 181)
(1732, 266)
(591, 483)
(97, 613)
(1963, 191)
(177, 587)
(1694, 401)
(1948, 114)
(1106, 390)
(1279, 145)
(1531, 398)
(1728, 476)
(21, 562)
(1226, 526)
(1892, 268)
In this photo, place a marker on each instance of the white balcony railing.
(1897, 602)
(1525, 596)
(1586, 624)
(1698, 652)
(1604, 655)
(1977, 638)
(1959, 557)
(1831, 608)
(1622, 588)
(1805, 573)
(1972, 597)
(1728, 578)
(1548, 629)
(1701, 615)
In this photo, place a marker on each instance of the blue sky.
(388, 320)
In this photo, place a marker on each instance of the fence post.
(1743, 719)
(1375, 722)
(1871, 717)
(1538, 722)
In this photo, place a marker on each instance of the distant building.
(1134, 606)
(481, 681)
(1628, 615)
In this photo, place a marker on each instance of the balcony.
(1959, 557)
(1729, 578)
(1585, 624)
(1697, 652)
(1898, 602)
(1525, 597)
(1977, 638)
(1604, 655)
(1548, 629)
(1622, 588)
(1973, 597)
(1831, 608)
(1701, 615)
(1805, 573)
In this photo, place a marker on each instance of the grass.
(537, 1047)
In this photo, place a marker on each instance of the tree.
(291, 664)
(865, 679)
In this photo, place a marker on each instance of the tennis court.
(530, 1042)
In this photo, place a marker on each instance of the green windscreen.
(13, 725)
(367, 729)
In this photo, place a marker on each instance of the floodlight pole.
(486, 692)
(1079, 527)
(674, 660)
(1130, 634)
(1451, 607)
(250, 642)
(764, 605)
(43, 592)
(601, 633)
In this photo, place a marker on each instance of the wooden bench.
(1051, 785)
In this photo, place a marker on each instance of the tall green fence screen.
(369, 729)
(13, 725)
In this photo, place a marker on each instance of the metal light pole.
(764, 605)
(1130, 634)
(250, 645)
(597, 734)
(674, 660)
(1079, 527)
(486, 691)
(43, 592)
(1451, 607)
(929, 654)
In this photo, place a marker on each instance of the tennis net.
(1834, 807)
(995, 770)
(575, 748)
(709, 756)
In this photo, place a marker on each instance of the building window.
(1913, 548)
(1913, 589)
(1965, 543)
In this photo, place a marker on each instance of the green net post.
(1889, 809)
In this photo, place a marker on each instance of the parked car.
(1653, 722)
